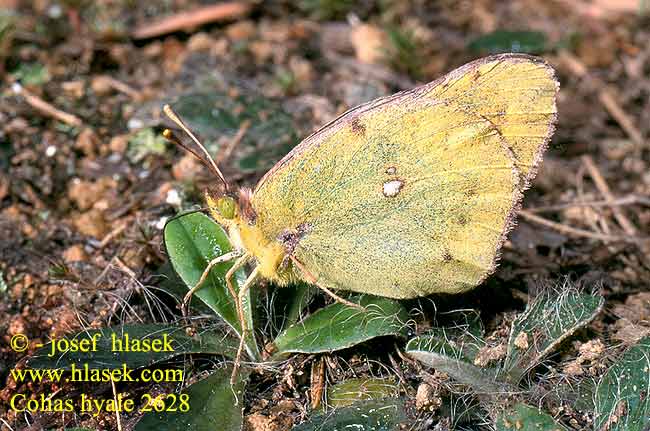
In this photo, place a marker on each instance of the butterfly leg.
(243, 290)
(217, 260)
(310, 278)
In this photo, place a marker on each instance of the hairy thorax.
(245, 234)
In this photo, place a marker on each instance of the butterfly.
(402, 197)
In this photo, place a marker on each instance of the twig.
(117, 411)
(195, 18)
(603, 188)
(124, 267)
(627, 200)
(609, 102)
(46, 108)
(226, 151)
(317, 382)
(605, 97)
(120, 86)
(372, 70)
(109, 237)
(575, 232)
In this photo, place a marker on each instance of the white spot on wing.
(392, 188)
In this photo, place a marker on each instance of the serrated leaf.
(522, 417)
(192, 241)
(374, 415)
(444, 354)
(549, 318)
(366, 388)
(622, 401)
(500, 41)
(102, 355)
(214, 405)
(339, 326)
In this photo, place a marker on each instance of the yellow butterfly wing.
(414, 193)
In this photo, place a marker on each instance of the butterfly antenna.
(168, 134)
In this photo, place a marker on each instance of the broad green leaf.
(522, 417)
(374, 415)
(213, 405)
(192, 241)
(549, 319)
(366, 388)
(443, 353)
(289, 302)
(101, 355)
(301, 297)
(339, 326)
(622, 401)
(499, 41)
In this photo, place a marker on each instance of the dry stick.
(317, 382)
(225, 152)
(624, 201)
(195, 18)
(603, 188)
(572, 231)
(121, 87)
(110, 236)
(46, 108)
(124, 267)
(609, 102)
(117, 411)
(605, 97)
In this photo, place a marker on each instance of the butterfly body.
(407, 195)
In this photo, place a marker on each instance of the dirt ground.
(84, 192)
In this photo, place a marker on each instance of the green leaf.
(522, 417)
(339, 326)
(622, 401)
(214, 405)
(366, 388)
(499, 41)
(102, 356)
(146, 142)
(192, 241)
(289, 302)
(549, 319)
(31, 74)
(374, 415)
(445, 354)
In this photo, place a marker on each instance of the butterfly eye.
(226, 206)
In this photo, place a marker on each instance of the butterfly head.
(232, 208)
(226, 206)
